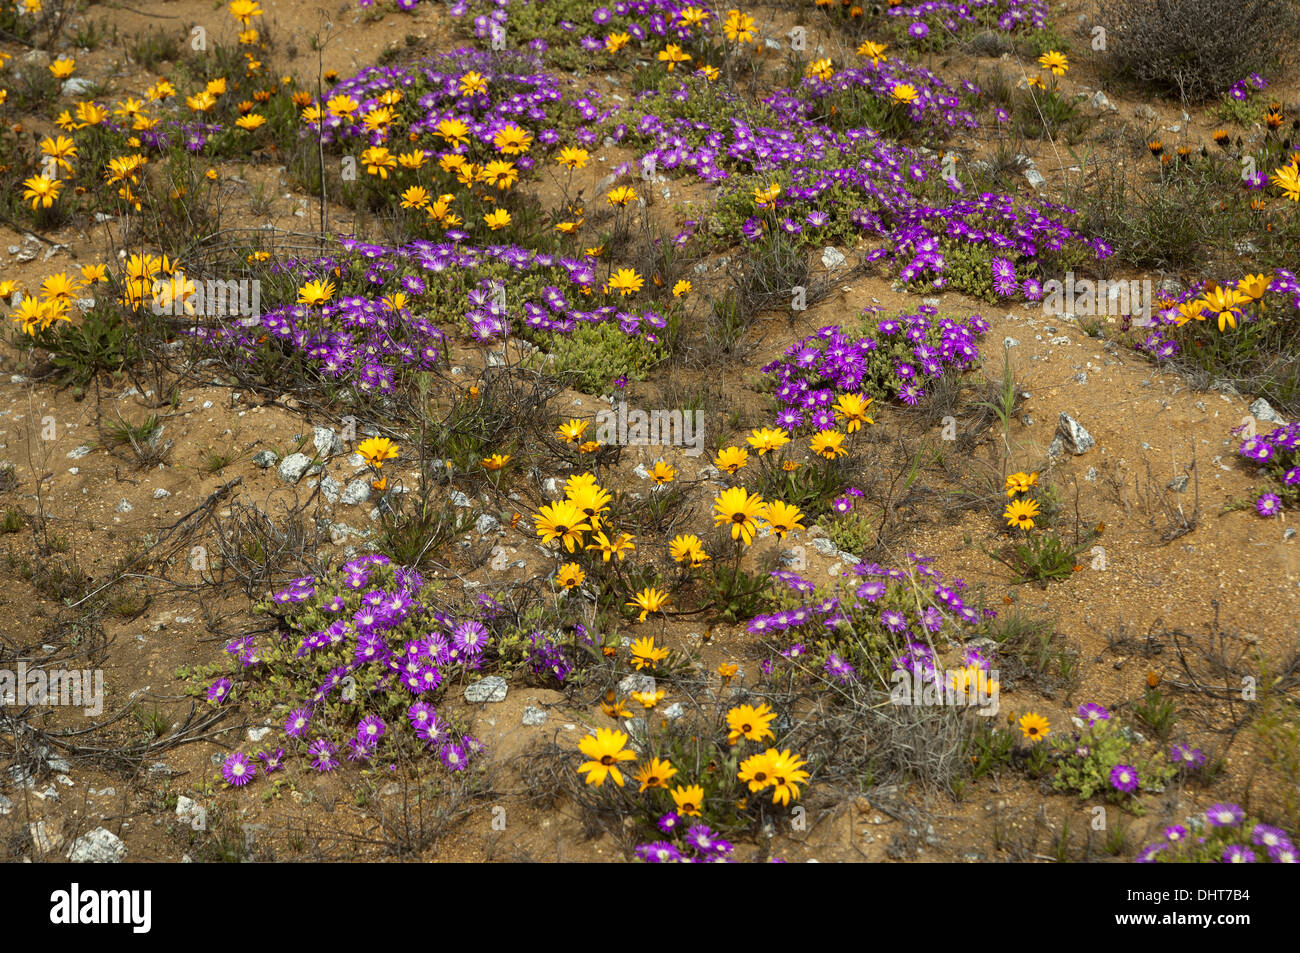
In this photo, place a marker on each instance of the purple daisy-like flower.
(433, 733)
(238, 770)
(1093, 713)
(470, 637)
(1004, 277)
(705, 841)
(1147, 855)
(454, 757)
(839, 669)
(370, 729)
(1175, 832)
(359, 749)
(322, 753)
(1238, 854)
(1124, 778)
(1257, 449)
(1284, 854)
(658, 852)
(1269, 505)
(1187, 756)
(1224, 815)
(669, 822)
(842, 504)
(219, 690)
(420, 714)
(272, 760)
(918, 30)
(295, 726)
(1268, 837)
(893, 620)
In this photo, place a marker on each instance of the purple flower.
(918, 30)
(238, 770)
(370, 729)
(871, 589)
(839, 669)
(1269, 505)
(271, 760)
(893, 620)
(1238, 854)
(1187, 756)
(1268, 837)
(1256, 448)
(359, 749)
(1004, 277)
(1175, 832)
(454, 757)
(658, 852)
(322, 753)
(1284, 854)
(1093, 713)
(705, 841)
(470, 637)
(1147, 855)
(1124, 778)
(669, 822)
(420, 714)
(1224, 815)
(219, 691)
(295, 726)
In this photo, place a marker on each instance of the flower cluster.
(1007, 16)
(894, 357)
(1102, 757)
(1249, 300)
(873, 614)
(360, 652)
(1222, 835)
(1278, 453)
(926, 99)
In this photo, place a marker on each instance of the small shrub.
(1196, 49)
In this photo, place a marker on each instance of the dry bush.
(1195, 49)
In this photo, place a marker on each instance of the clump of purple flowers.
(896, 357)
(1224, 836)
(1278, 453)
(381, 653)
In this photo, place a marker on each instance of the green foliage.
(1156, 712)
(1277, 730)
(1084, 765)
(593, 356)
(100, 343)
(809, 487)
(991, 748)
(1041, 557)
(735, 594)
(153, 48)
(1047, 114)
(969, 270)
(852, 532)
(12, 521)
